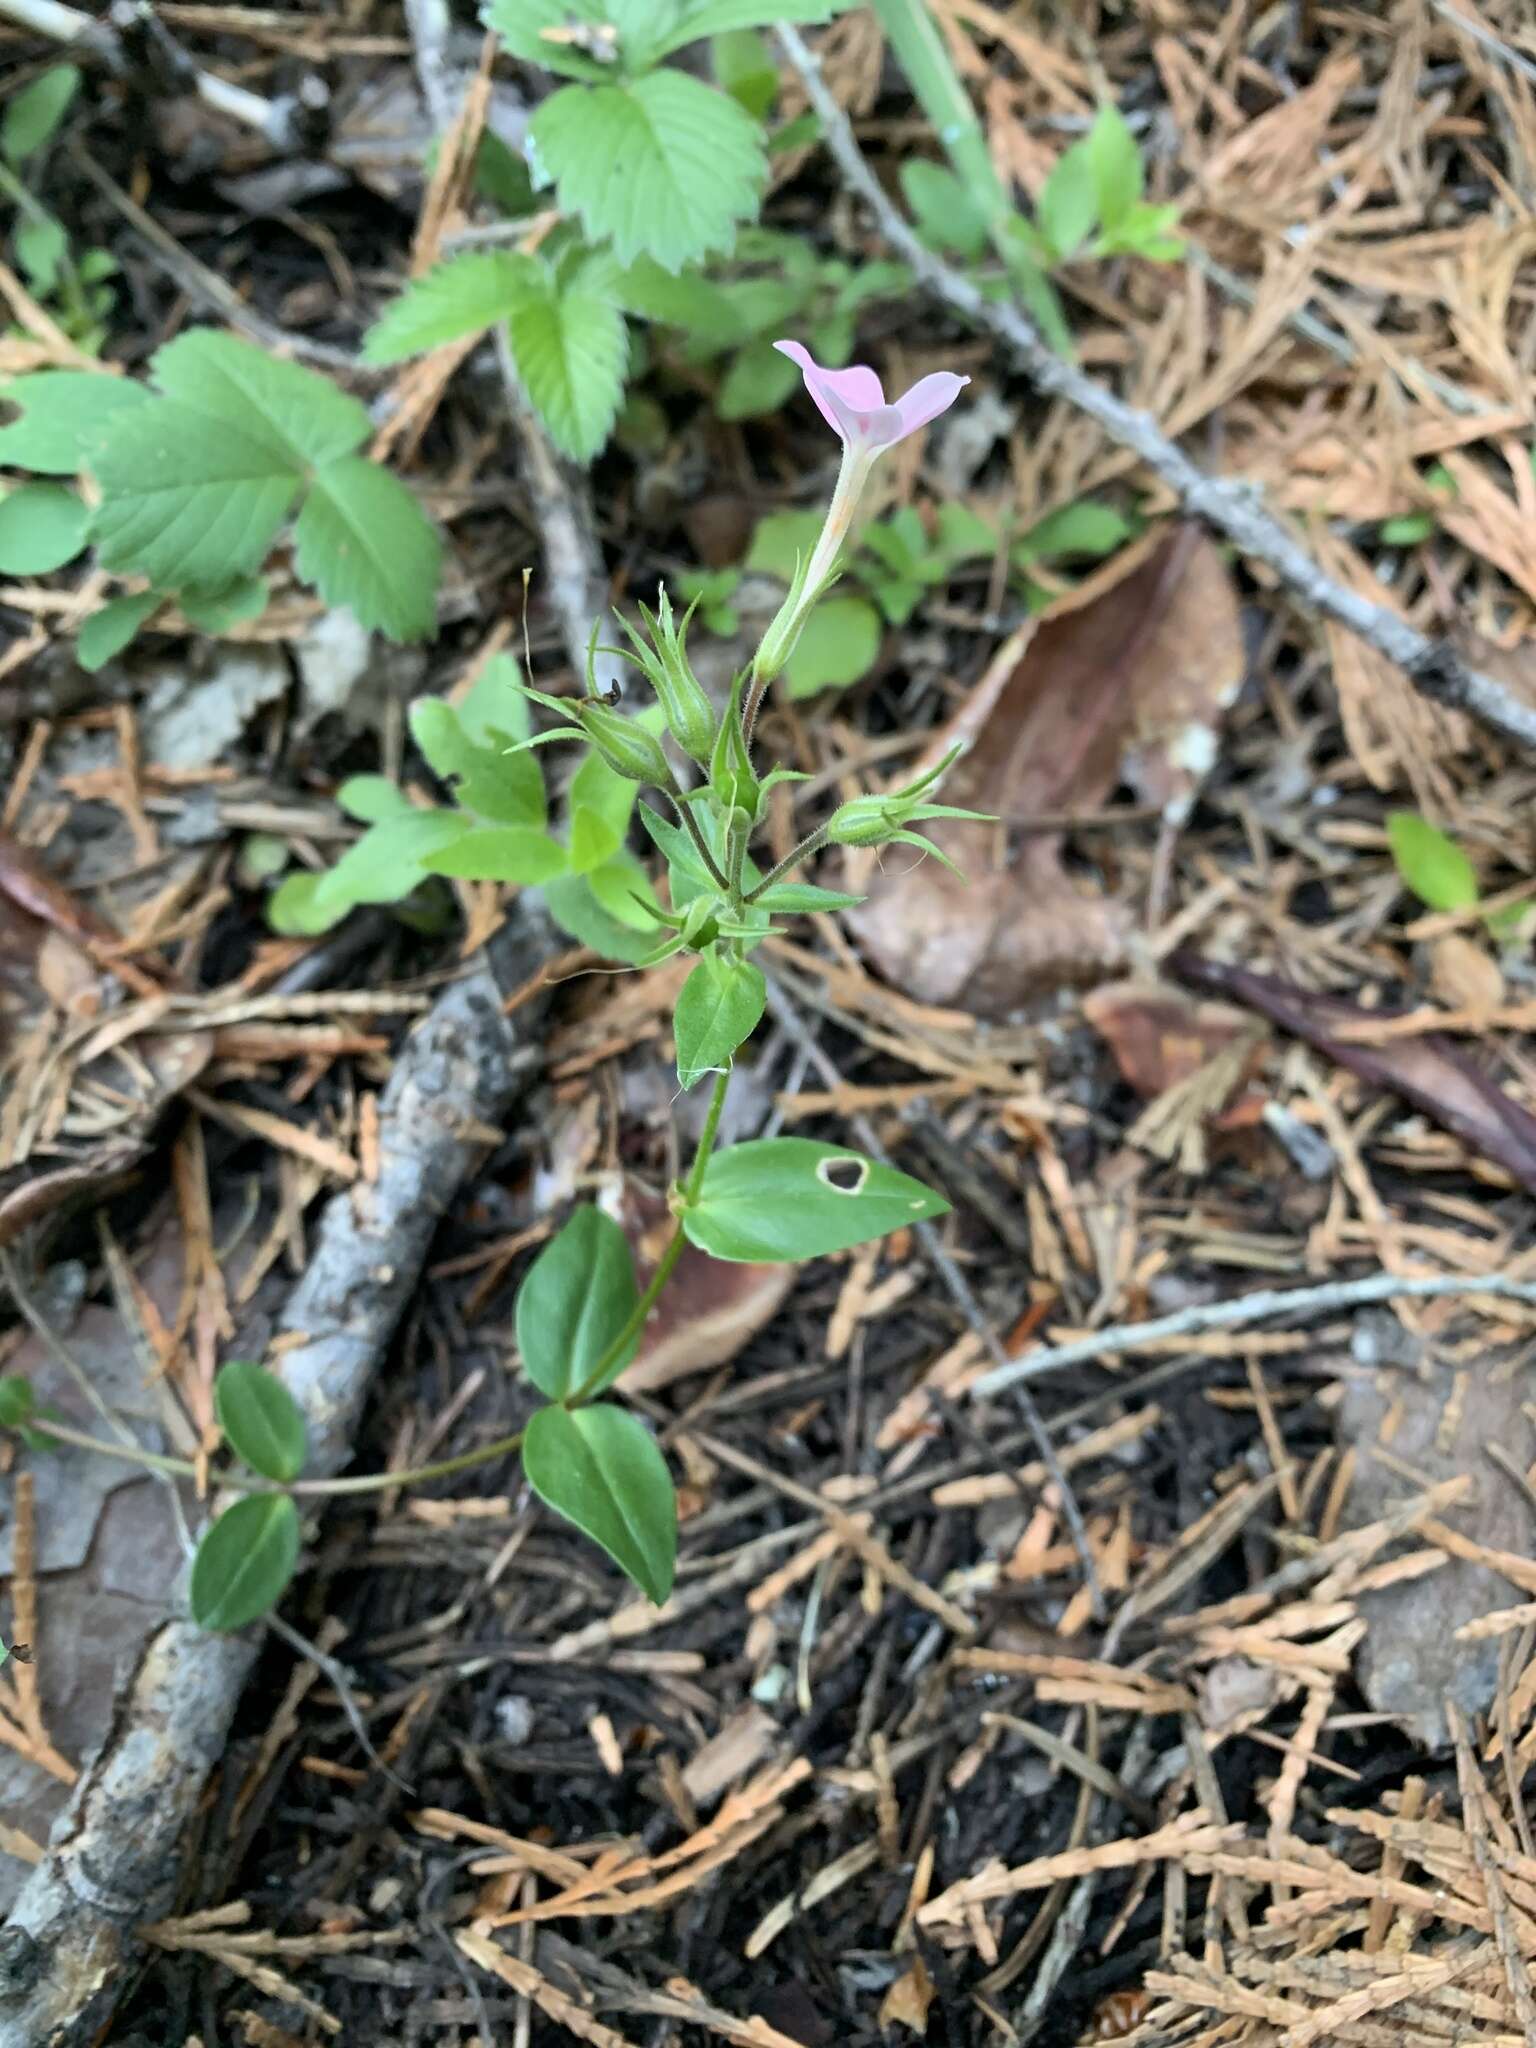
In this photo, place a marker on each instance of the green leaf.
(838, 643)
(496, 710)
(787, 898)
(571, 347)
(491, 781)
(1085, 528)
(18, 1401)
(1407, 530)
(698, 18)
(467, 293)
(385, 865)
(373, 798)
(522, 26)
(601, 1469)
(502, 176)
(364, 542)
(289, 408)
(720, 1006)
(63, 414)
(743, 65)
(107, 632)
(215, 611)
(499, 853)
(1116, 163)
(579, 1294)
(572, 903)
(244, 1563)
(1433, 865)
(792, 1198)
(42, 526)
(33, 116)
(756, 382)
(596, 787)
(1068, 208)
(662, 166)
(948, 217)
(779, 541)
(261, 1420)
(188, 498)
(41, 246)
(615, 886)
(593, 840)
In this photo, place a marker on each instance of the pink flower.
(853, 404)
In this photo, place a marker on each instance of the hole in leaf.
(843, 1176)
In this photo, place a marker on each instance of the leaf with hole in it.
(1432, 864)
(33, 116)
(571, 347)
(579, 1294)
(62, 414)
(792, 1198)
(244, 1562)
(465, 295)
(663, 165)
(261, 1420)
(364, 542)
(719, 1007)
(42, 526)
(601, 1469)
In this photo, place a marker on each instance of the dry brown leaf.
(1127, 686)
(1159, 1035)
(906, 2003)
(1465, 974)
(709, 1309)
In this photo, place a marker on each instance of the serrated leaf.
(662, 166)
(719, 1007)
(579, 1294)
(499, 853)
(571, 348)
(1431, 863)
(63, 414)
(792, 1198)
(364, 542)
(244, 1563)
(188, 498)
(32, 117)
(235, 382)
(469, 292)
(42, 526)
(261, 1420)
(600, 1468)
(107, 632)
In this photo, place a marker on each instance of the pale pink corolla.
(852, 401)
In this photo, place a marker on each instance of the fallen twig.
(1231, 506)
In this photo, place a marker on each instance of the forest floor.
(893, 1762)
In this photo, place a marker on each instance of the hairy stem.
(812, 843)
(685, 812)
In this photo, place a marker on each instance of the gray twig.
(787, 1015)
(1290, 1303)
(1231, 506)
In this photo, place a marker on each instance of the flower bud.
(863, 821)
(689, 714)
(626, 746)
(730, 765)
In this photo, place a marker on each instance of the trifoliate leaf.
(459, 297)
(663, 166)
(238, 383)
(42, 526)
(570, 345)
(364, 542)
(63, 413)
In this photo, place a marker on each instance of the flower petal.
(850, 401)
(928, 397)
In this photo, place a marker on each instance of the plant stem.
(812, 843)
(128, 1453)
(685, 812)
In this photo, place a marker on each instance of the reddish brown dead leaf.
(1430, 1072)
(709, 1309)
(1159, 1036)
(906, 2003)
(1129, 685)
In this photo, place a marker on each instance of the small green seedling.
(1439, 873)
(71, 285)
